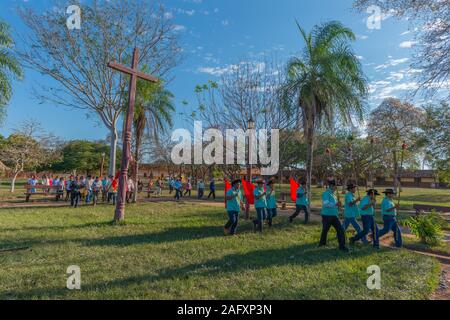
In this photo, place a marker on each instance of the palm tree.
(9, 66)
(153, 111)
(327, 81)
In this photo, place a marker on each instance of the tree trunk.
(113, 151)
(137, 156)
(13, 181)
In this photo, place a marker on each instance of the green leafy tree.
(153, 112)
(82, 156)
(436, 139)
(9, 66)
(328, 81)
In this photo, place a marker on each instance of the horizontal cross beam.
(130, 71)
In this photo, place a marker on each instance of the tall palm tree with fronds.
(9, 66)
(328, 82)
(153, 112)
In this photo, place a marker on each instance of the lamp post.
(103, 164)
(250, 127)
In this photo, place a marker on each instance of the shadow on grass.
(298, 256)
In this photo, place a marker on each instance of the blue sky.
(219, 33)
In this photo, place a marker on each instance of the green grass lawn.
(178, 251)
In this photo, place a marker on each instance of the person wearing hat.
(301, 203)
(234, 204)
(260, 205)
(271, 203)
(389, 213)
(330, 216)
(367, 210)
(351, 211)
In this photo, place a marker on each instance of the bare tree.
(22, 150)
(77, 59)
(431, 23)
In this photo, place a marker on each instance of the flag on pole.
(294, 187)
(249, 188)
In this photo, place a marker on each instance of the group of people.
(182, 190)
(88, 189)
(353, 207)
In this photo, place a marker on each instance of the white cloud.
(407, 44)
(391, 63)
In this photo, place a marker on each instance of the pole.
(350, 149)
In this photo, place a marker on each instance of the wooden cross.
(126, 155)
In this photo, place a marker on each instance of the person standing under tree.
(234, 206)
(302, 202)
(389, 213)
(330, 216)
(367, 208)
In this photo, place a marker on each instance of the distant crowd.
(91, 190)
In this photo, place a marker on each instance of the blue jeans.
(258, 222)
(271, 213)
(233, 219)
(368, 225)
(391, 224)
(88, 196)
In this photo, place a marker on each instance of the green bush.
(427, 227)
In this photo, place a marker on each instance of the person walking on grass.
(302, 202)
(260, 206)
(188, 188)
(271, 203)
(96, 189)
(389, 213)
(69, 187)
(330, 216)
(201, 189)
(234, 204)
(178, 186)
(367, 209)
(351, 210)
(212, 189)
(75, 192)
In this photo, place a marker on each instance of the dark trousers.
(187, 192)
(298, 210)
(213, 194)
(95, 197)
(201, 192)
(233, 219)
(390, 224)
(369, 225)
(271, 213)
(260, 215)
(75, 199)
(327, 223)
(178, 194)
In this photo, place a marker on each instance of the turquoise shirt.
(365, 202)
(329, 204)
(261, 202)
(234, 205)
(350, 211)
(271, 199)
(302, 199)
(386, 205)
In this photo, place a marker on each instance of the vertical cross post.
(126, 151)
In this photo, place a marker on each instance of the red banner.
(294, 187)
(227, 188)
(249, 188)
